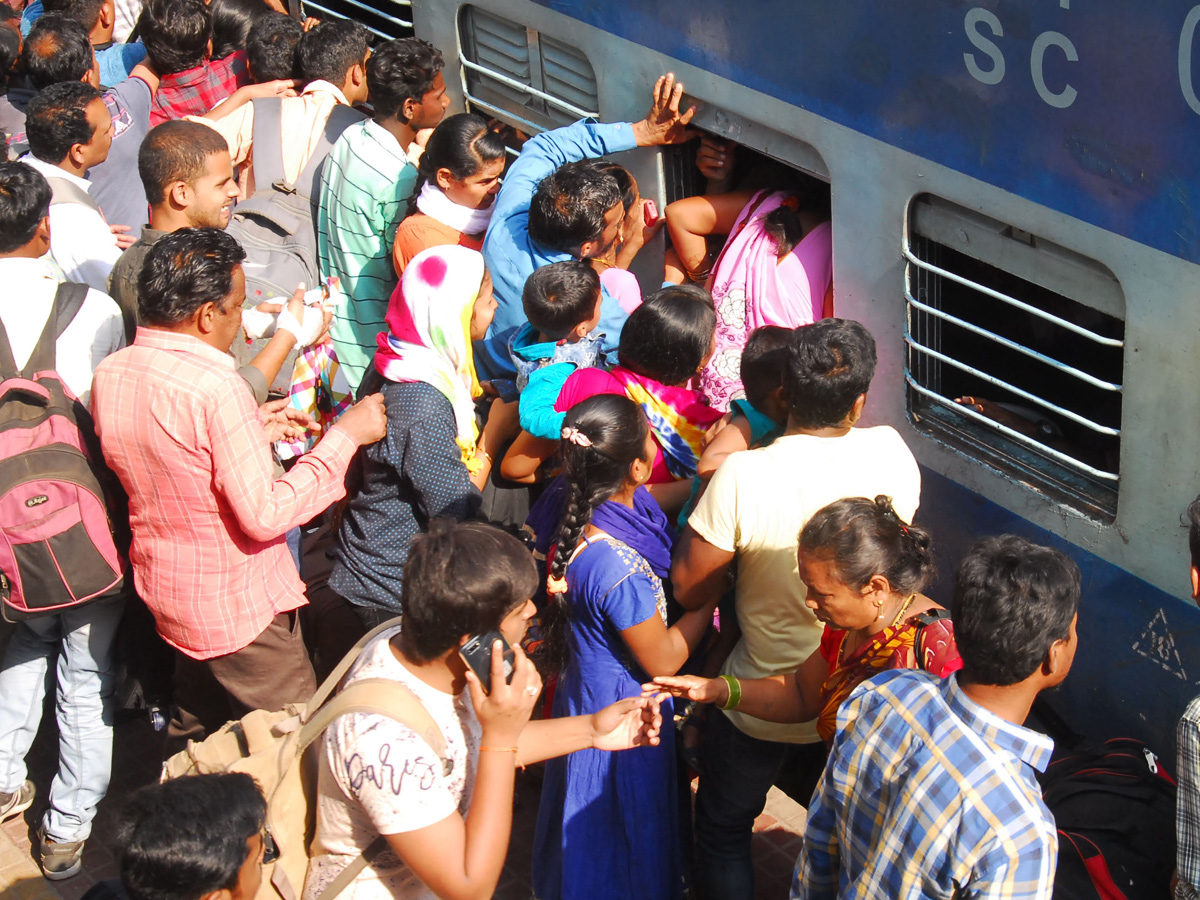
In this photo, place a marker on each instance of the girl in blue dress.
(608, 823)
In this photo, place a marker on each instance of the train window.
(1015, 352)
(386, 19)
(529, 79)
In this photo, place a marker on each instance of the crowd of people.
(651, 505)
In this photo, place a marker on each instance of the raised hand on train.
(665, 124)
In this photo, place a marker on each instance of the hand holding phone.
(477, 653)
(512, 689)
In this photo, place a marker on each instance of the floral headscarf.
(429, 333)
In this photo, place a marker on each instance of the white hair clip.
(576, 437)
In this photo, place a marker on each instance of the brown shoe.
(59, 859)
(12, 805)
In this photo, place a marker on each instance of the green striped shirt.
(365, 188)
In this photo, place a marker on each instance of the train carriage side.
(1001, 229)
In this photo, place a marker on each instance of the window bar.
(1011, 301)
(998, 382)
(1013, 345)
(309, 4)
(1015, 435)
(531, 91)
(503, 113)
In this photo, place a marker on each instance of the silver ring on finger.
(531, 691)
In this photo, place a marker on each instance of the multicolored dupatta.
(678, 416)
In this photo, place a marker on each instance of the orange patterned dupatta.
(924, 641)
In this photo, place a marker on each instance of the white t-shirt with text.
(379, 777)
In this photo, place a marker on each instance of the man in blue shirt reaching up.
(555, 205)
(929, 790)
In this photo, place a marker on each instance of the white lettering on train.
(1187, 36)
(977, 19)
(1064, 98)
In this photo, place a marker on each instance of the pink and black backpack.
(58, 543)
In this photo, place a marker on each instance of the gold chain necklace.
(896, 621)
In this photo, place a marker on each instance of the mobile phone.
(650, 213)
(477, 653)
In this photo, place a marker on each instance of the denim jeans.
(83, 640)
(738, 771)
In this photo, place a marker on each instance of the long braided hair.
(603, 436)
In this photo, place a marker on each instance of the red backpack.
(58, 545)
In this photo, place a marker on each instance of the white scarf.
(434, 203)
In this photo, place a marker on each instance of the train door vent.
(529, 79)
(1015, 352)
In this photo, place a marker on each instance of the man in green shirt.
(365, 188)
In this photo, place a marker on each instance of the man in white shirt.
(70, 130)
(332, 58)
(753, 511)
(82, 636)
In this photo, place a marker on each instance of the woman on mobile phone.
(447, 827)
(608, 826)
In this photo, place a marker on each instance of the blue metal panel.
(1138, 662)
(1090, 110)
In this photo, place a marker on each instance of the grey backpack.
(276, 227)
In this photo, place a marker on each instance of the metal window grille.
(1038, 331)
(386, 19)
(528, 79)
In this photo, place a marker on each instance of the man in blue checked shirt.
(929, 790)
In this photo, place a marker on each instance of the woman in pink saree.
(776, 269)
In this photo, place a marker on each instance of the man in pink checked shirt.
(182, 432)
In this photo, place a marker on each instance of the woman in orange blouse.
(459, 177)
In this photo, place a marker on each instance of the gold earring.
(879, 606)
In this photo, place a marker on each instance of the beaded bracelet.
(735, 692)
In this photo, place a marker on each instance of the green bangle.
(735, 692)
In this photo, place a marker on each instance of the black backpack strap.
(267, 139)
(930, 616)
(68, 300)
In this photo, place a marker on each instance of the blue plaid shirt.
(927, 794)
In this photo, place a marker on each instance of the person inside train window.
(864, 569)
(434, 460)
(821, 457)
(666, 346)
(365, 188)
(930, 788)
(552, 208)
(1187, 770)
(271, 47)
(775, 268)
(562, 303)
(458, 179)
(641, 223)
(447, 821)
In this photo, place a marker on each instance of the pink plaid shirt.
(181, 430)
(193, 92)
